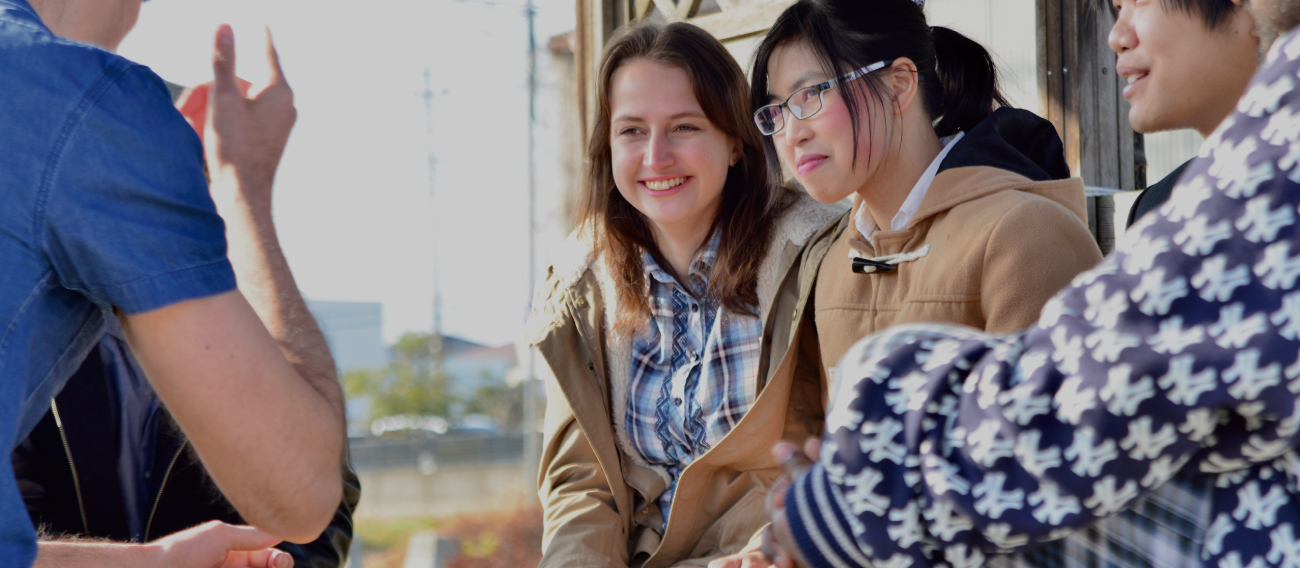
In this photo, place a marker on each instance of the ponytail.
(967, 85)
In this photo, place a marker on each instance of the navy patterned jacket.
(1179, 352)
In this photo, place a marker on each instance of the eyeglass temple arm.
(858, 73)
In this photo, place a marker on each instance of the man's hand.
(244, 136)
(216, 544)
(210, 545)
(778, 541)
(193, 105)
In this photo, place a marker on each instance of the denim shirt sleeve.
(128, 220)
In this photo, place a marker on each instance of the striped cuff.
(817, 522)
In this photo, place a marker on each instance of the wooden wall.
(1080, 93)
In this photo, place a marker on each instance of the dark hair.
(1211, 12)
(958, 80)
(750, 202)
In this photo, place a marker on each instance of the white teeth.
(1132, 78)
(663, 184)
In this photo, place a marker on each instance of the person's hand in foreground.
(221, 545)
(778, 547)
(210, 545)
(778, 542)
(753, 559)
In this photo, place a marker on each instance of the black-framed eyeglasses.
(807, 101)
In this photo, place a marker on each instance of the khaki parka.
(598, 501)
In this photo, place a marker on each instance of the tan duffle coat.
(1000, 245)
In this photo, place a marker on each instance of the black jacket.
(68, 474)
(1155, 195)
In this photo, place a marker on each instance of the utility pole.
(531, 446)
(435, 344)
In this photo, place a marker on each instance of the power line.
(532, 455)
(428, 95)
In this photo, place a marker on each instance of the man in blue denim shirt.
(106, 208)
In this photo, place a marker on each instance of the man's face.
(1181, 73)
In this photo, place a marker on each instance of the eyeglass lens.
(802, 104)
(769, 119)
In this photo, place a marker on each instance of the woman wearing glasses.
(667, 331)
(961, 213)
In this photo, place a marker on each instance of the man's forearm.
(53, 554)
(265, 280)
(210, 544)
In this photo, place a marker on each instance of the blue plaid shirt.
(1165, 528)
(694, 370)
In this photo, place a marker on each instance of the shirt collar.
(700, 269)
(24, 6)
(866, 225)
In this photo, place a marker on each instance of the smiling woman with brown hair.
(668, 331)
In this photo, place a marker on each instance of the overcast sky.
(352, 200)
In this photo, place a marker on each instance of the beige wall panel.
(1004, 27)
(743, 50)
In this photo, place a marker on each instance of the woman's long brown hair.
(750, 201)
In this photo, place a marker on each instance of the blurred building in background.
(472, 366)
(354, 331)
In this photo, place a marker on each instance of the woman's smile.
(661, 185)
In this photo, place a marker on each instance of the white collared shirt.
(866, 225)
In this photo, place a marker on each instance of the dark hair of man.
(750, 201)
(958, 80)
(1211, 12)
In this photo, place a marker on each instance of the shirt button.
(694, 357)
(645, 511)
(686, 449)
(695, 307)
(677, 401)
(795, 316)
